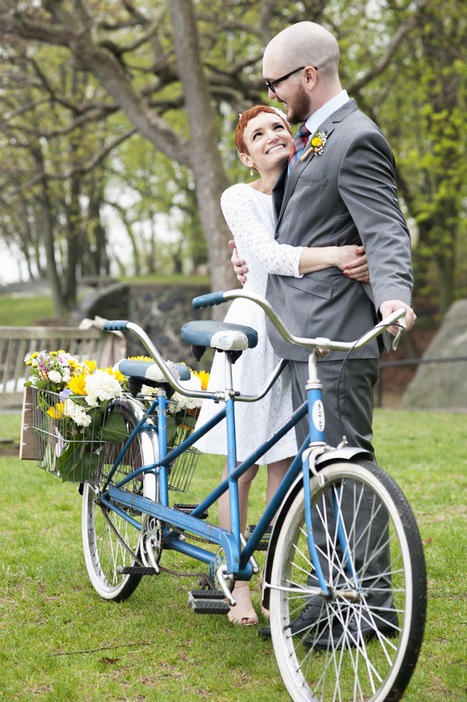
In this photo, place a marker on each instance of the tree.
(51, 173)
(201, 62)
(421, 107)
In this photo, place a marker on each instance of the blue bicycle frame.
(237, 558)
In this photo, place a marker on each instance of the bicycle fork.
(318, 446)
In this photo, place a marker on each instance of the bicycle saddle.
(149, 372)
(221, 336)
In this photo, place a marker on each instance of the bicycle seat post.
(162, 434)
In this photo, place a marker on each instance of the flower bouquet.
(70, 417)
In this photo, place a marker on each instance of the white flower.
(101, 387)
(148, 390)
(76, 413)
(55, 376)
(180, 402)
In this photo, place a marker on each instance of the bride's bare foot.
(264, 611)
(243, 613)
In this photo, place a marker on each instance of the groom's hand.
(239, 265)
(391, 306)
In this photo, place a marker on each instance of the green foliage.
(423, 116)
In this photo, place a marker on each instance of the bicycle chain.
(203, 578)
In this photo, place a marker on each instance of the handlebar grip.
(208, 300)
(115, 325)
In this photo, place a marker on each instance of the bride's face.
(267, 141)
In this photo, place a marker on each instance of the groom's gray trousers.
(348, 403)
(347, 397)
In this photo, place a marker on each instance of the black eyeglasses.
(271, 84)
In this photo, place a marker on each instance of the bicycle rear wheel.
(362, 641)
(109, 540)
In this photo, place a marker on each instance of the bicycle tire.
(108, 539)
(333, 652)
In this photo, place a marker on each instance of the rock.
(443, 385)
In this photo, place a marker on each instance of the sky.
(11, 271)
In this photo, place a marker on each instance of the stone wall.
(161, 310)
(443, 385)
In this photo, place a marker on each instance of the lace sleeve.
(252, 229)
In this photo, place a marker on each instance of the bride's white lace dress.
(249, 215)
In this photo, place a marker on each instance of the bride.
(263, 139)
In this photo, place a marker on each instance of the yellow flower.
(90, 366)
(57, 411)
(34, 355)
(140, 358)
(316, 142)
(204, 377)
(121, 378)
(77, 384)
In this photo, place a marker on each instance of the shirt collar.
(313, 122)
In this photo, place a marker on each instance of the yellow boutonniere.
(316, 145)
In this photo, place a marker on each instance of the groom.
(339, 188)
(341, 191)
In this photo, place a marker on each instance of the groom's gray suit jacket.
(346, 195)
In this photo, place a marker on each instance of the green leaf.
(114, 429)
(171, 430)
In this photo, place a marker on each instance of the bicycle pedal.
(208, 602)
(136, 570)
(187, 509)
(264, 541)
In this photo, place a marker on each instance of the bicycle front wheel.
(360, 641)
(109, 540)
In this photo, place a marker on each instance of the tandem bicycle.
(344, 578)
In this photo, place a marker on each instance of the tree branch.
(355, 85)
(109, 71)
(82, 170)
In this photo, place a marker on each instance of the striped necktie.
(298, 146)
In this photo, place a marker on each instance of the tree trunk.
(48, 235)
(207, 165)
(73, 242)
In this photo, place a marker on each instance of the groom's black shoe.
(310, 616)
(353, 635)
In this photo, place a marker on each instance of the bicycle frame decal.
(317, 416)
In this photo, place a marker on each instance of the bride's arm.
(254, 236)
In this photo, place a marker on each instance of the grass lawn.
(24, 311)
(59, 641)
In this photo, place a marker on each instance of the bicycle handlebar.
(217, 298)
(115, 325)
(208, 300)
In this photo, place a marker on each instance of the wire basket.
(183, 468)
(62, 447)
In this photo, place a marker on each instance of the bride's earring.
(252, 172)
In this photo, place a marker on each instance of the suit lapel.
(285, 185)
(278, 193)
